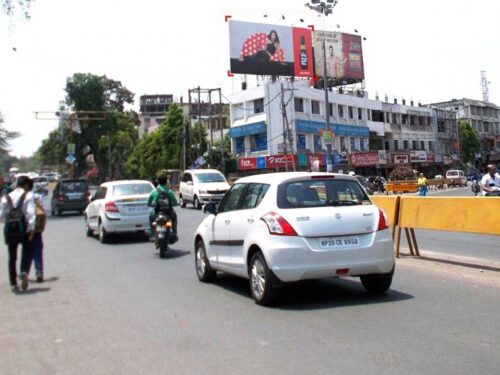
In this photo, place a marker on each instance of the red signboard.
(279, 161)
(364, 159)
(247, 164)
(312, 157)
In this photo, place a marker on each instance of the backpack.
(40, 217)
(162, 202)
(15, 224)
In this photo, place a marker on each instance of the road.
(120, 309)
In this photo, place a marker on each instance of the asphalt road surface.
(120, 309)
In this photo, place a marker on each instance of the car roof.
(198, 171)
(279, 177)
(124, 182)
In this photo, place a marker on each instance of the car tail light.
(111, 207)
(382, 220)
(278, 225)
(60, 197)
(88, 195)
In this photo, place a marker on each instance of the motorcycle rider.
(153, 199)
(491, 181)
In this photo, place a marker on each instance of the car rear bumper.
(208, 198)
(124, 224)
(71, 206)
(296, 258)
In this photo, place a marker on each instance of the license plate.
(140, 209)
(339, 242)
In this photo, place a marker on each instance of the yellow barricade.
(400, 187)
(456, 214)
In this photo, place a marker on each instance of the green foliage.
(53, 149)
(469, 141)
(5, 136)
(159, 150)
(12, 7)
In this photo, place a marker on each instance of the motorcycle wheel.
(163, 248)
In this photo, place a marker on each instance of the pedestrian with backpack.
(18, 209)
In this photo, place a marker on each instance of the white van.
(458, 176)
(200, 186)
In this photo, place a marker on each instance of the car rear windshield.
(39, 179)
(132, 189)
(210, 177)
(321, 193)
(76, 186)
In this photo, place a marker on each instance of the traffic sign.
(70, 159)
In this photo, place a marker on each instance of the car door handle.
(250, 220)
(227, 222)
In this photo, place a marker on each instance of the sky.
(424, 50)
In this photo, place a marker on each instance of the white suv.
(200, 186)
(284, 227)
(457, 176)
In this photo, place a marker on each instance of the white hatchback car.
(119, 207)
(285, 227)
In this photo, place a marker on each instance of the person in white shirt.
(491, 180)
(21, 192)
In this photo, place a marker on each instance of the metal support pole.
(199, 122)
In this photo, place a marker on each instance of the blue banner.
(250, 129)
(261, 162)
(305, 126)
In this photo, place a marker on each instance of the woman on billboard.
(261, 48)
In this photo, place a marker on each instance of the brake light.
(111, 207)
(382, 220)
(168, 224)
(278, 225)
(60, 197)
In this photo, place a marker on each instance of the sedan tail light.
(278, 225)
(111, 207)
(382, 220)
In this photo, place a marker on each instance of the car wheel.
(89, 232)
(196, 203)
(182, 202)
(261, 287)
(205, 273)
(376, 283)
(103, 235)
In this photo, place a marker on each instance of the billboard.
(344, 57)
(263, 49)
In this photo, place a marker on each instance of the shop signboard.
(400, 158)
(364, 159)
(280, 161)
(247, 164)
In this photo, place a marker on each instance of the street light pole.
(325, 8)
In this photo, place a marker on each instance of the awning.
(249, 129)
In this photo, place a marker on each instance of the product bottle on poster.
(304, 59)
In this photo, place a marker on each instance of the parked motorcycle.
(164, 235)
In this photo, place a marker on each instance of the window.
(318, 147)
(351, 112)
(315, 107)
(342, 144)
(253, 196)
(101, 193)
(362, 144)
(301, 142)
(75, 186)
(360, 114)
(132, 189)
(330, 109)
(414, 145)
(210, 177)
(258, 142)
(258, 105)
(353, 143)
(299, 104)
(394, 118)
(320, 193)
(395, 144)
(405, 145)
(422, 145)
(187, 177)
(239, 145)
(232, 198)
(431, 146)
(341, 110)
(386, 144)
(369, 112)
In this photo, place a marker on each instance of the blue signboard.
(261, 162)
(305, 126)
(239, 144)
(250, 129)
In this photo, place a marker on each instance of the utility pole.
(221, 125)
(210, 125)
(283, 110)
(199, 122)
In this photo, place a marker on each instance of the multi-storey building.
(370, 136)
(152, 111)
(484, 117)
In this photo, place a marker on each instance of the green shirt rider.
(153, 197)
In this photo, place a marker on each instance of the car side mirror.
(210, 208)
(189, 183)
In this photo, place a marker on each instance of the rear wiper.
(338, 202)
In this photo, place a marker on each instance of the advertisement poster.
(279, 161)
(263, 49)
(247, 164)
(418, 156)
(364, 159)
(344, 57)
(400, 158)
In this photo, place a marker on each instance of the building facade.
(152, 111)
(369, 136)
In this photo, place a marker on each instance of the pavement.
(120, 309)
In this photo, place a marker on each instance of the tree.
(469, 142)
(100, 103)
(5, 136)
(53, 149)
(11, 7)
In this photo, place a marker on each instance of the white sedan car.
(119, 207)
(285, 227)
